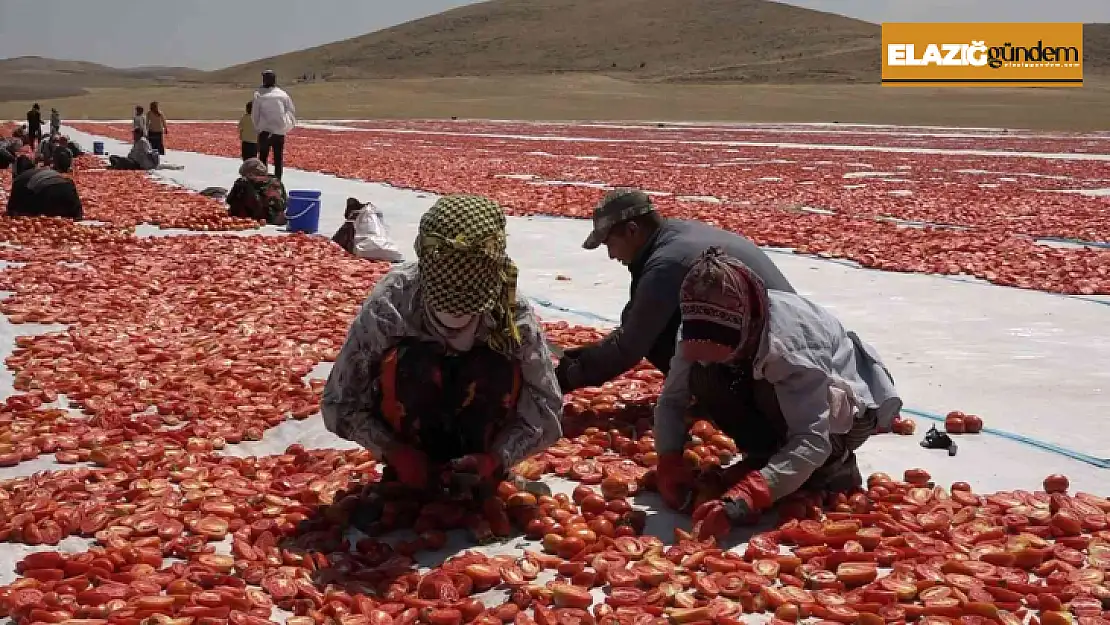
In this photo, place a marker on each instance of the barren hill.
(697, 40)
(31, 77)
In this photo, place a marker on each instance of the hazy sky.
(209, 34)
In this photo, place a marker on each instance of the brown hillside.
(32, 77)
(699, 40)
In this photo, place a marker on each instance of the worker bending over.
(445, 374)
(45, 191)
(780, 375)
(658, 252)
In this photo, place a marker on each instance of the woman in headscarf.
(157, 128)
(45, 191)
(446, 375)
(779, 374)
(257, 194)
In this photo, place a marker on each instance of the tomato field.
(148, 363)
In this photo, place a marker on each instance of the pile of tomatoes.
(840, 134)
(183, 535)
(759, 191)
(130, 198)
(179, 347)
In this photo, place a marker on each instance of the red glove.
(675, 480)
(740, 505)
(410, 464)
(753, 490)
(711, 520)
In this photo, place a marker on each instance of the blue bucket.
(98, 148)
(303, 211)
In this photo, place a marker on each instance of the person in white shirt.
(138, 122)
(274, 116)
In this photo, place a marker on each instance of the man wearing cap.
(658, 252)
(274, 116)
(446, 375)
(797, 392)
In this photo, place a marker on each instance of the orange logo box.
(982, 55)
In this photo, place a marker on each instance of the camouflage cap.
(618, 206)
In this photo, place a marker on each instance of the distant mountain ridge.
(31, 77)
(695, 40)
(687, 41)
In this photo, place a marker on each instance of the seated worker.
(345, 236)
(45, 192)
(9, 150)
(445, 374)
(658, 252)
(780, 375)
(45, 152)
(257, 194)
(142, 156)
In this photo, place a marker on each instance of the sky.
(210, 34)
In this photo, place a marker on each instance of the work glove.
(568, 370)
(675, 481)
(467, 474)
(562, 373)
(410, 465)
(740, 505)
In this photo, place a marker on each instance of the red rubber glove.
(753, 490)
(410, 464)
(711, 520)
(740, 505)
(675, 480)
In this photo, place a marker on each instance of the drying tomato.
(1056, 483)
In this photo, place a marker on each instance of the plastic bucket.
(98, 148)
(303, 211)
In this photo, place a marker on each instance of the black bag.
(345, 237)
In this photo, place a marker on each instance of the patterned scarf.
(253, 168)
(724, 310)
(463, 265)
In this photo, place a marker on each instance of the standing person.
(445, 373)
(274, 117)
(248, 135)
(156, 128)
(658, 252)
(138, 122)
(34, 125)
(55, 122)
(779, 374)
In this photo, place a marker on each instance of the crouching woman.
(257, 195)
(779, 374)
(445, 374)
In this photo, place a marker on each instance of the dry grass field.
(586, 96)
(703, 60)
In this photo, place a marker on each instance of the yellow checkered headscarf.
(463, 265)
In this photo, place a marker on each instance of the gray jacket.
(824, 378)
(394, 311)
(650, 320)
(144, 154)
